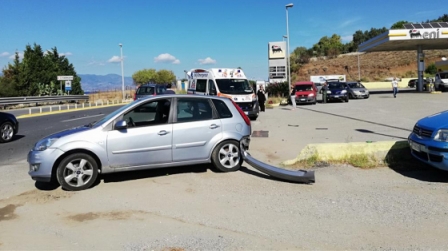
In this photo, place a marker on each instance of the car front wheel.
(6, 132)
(77, 172)
(226, 157)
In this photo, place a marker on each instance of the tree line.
(331, 47)
(146, 76)
(36, 74)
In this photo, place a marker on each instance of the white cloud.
(14, 56)
(4, 54)
(166, 58)
(65, 54)
(348, 22)
(207, 60)
(114, 59)
(347, 38)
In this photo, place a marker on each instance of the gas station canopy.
(427, 36)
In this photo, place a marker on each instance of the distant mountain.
(92, 82)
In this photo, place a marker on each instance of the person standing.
(261, 98)
(395, 87)
(293, 98)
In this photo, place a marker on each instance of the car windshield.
(355, 85)
(443, 75)
(300, 88)
(145, 90)
(335, 85)
(111, 115)
(234, 86)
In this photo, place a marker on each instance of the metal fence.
(41, 99)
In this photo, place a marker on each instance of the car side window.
(201, 85)
(193, 109)
(222, 109)
(150, 113)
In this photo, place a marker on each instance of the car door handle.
(214, 126)
(163, 132)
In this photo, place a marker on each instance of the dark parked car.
(148, 90)
(9, 126)
(337, 91)
(413, 83)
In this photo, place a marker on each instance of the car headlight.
(43, 144)
(311, 95)
(328, 92)
(343, 92)
(441, 135)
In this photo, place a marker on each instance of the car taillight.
(246, 119)
(135, 96)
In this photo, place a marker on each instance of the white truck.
(225, 82)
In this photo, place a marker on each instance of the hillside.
(375, 66)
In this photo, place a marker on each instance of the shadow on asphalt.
(46, 186)
(372, 132)
(152, 173)
(400, 159)
(16, 137)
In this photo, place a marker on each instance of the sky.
(181, 35)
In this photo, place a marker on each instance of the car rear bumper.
(302, 176)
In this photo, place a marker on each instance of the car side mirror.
(120, 125)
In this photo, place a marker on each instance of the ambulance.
(225, 82)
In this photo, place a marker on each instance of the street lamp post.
(122, 72)
(287, 49)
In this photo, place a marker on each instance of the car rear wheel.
(226, 157)
(6, 132)
(77, 172)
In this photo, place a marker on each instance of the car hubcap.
(229, 156)
(78, 172)
(7, 132)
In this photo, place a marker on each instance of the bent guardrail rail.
(40, 99)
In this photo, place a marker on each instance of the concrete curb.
(340, 151)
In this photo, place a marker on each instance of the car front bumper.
(427, 150)
(251, 109)
(332, 97)
(305, 100)
(41, 163)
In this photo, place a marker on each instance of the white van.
(225, 82)
(441, 81)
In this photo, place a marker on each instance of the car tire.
(226, 156)
(253, 118)
(76, 167)
(6, 132)
(346, 99)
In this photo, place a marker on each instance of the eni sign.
(425, 35)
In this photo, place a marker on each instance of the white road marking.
(86, 117)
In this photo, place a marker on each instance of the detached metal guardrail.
(40, 99)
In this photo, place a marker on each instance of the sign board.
(68, 85)
(62, 78)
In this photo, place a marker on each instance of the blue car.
(337, 91)
(429, 140)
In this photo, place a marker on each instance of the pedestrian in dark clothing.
(168, 89)
(261, 98)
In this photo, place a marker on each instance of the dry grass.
(375, 66)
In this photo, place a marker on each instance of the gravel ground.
(196, 208)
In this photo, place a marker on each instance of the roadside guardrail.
(40, 99)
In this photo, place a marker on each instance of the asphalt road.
(33, 129)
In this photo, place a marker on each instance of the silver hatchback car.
(156, 132)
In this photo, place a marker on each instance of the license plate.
(302, 99)
(247, 113)
(417, 147)
(336, 96)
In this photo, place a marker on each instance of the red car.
(306, 92)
